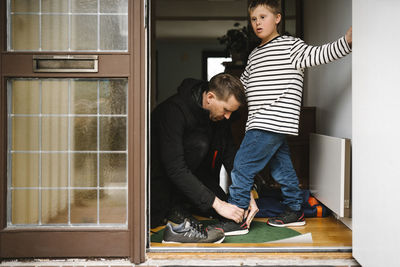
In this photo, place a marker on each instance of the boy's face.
(264, 23)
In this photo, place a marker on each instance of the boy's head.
(225, 95)
(265, 17)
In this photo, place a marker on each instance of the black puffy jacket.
(171, 121)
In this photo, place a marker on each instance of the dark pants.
(198, 157)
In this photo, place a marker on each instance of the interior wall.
(376, 127)
(179, 59)
(329, 87)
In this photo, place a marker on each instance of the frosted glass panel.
(112, 206)
(114, 6)
(25, 32)
(84, 33)
(55, 97)
(25, 170)
(67, 25)
(84, 170)
(54, 206)
(26, 206)
(25, 5)
(25, 97)
(113, 134)
(67, 152)
(114, 32)
(84, 6)
(84, 97)
(54, 32)
(113, 96)
(83, 206)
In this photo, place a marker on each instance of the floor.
(326, 232)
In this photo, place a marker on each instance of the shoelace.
(198, 230)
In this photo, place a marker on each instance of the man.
(190, 139)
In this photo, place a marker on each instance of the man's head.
(265, 17)
(224, 96)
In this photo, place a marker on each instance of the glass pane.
(84, 170)
(54, 170)
(114, 32)
(25, 170)
(25, 133)
(83, 206)
(84, 6)
(54, 133)
(114, 6)
(112, 134)
(25, 206)
(112, 170)
(54, 6)
(84, 133)
(84, 97)
(113, 94)
(25, 32)
(290, 26)
(25, 97)
(55, 97)
(25, 5)
(54, 206)
(54, 32)
(83, 32)
(113, 206)
(290, 7)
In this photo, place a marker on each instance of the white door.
(376, 125)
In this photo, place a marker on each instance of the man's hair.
(273, 5)
(224, 85)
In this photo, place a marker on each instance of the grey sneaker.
(232, 228)
(187, 232)
(288, 218)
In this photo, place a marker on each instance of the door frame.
(85, 242)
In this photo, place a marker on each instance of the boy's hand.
(228, 210)
(349, 36)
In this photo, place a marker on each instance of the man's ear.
(210, 96)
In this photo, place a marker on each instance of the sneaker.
(288, 218)
(187, 232)
(178, 214)
(232, 228)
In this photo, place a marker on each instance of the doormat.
(259, 232)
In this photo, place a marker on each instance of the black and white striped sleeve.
(304, 56)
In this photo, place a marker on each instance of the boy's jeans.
(257, 149)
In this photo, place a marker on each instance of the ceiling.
(197, 19)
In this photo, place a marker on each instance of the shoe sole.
(173, 242)
(238, 232)
(287, 224)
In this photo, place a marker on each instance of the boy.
(273, 80)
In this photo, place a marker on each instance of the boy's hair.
(224, 85)
(273, 5)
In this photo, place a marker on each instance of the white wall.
(376, 125)
(328, 87)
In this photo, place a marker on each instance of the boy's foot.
(188, 232)
(178, 214)
(288, 218)
(232, 228)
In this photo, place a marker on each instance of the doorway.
(177, 44)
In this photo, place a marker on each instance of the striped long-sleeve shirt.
(273, 80)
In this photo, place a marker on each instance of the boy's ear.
(278, 18)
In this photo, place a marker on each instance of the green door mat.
(260, 232)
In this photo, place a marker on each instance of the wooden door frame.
(85, 242)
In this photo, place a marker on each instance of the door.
(72, 129)
(376, 110)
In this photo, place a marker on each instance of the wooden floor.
(326, 232)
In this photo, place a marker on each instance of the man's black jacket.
(173, 120)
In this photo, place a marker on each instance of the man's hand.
(349, 36)
(252, 211)
(228, 210)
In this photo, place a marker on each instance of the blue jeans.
(257, 149)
